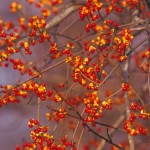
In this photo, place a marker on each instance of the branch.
(126, 77)
(106, 140)
(86, 125)
(42, 72)
(70, 8)
(116, 124)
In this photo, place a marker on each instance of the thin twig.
(130, 24)
(80, 138)
(86, 125)
(71, 87)
(115, 125)
(75, 131)
(108, 134)
(128, 54)
(113, 94)
(42, 72)
(138, 96)
(109, 75)
(88, 78)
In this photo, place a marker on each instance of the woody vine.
(71, 80)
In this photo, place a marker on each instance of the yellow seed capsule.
(124, 3)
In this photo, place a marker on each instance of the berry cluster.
(92, 57)
(43, 5)
(14, 7)
(54, 50)
(131, 125)
(9, 40)
(41, 139)
(125, 87)
(36, 23)
(59, 114)
(92, 6)
(94, 107)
